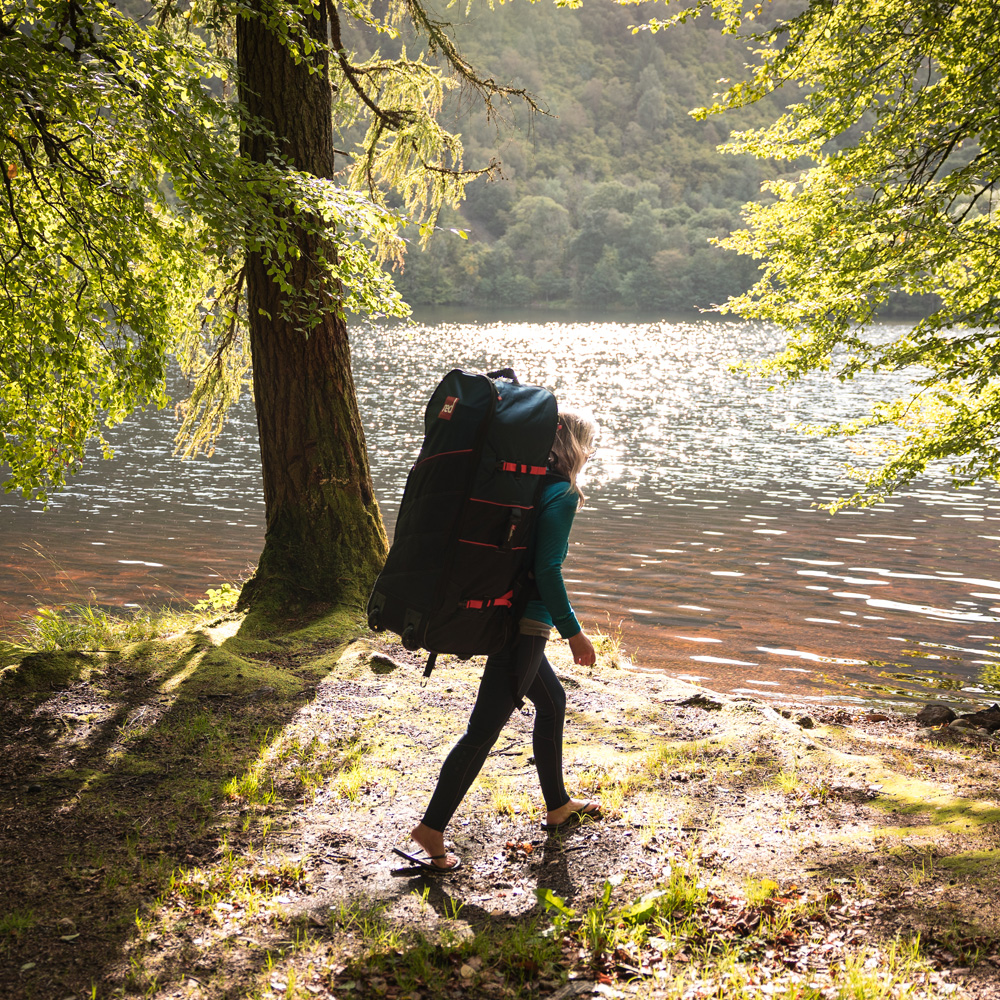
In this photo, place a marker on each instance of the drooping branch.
(390, 118)
(440, 41)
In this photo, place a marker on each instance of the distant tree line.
(612, 200)
(620, 246)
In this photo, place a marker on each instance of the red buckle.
(492, 602)
(531, 470)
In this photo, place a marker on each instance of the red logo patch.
(449, 408)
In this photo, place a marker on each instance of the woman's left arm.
(552, 541)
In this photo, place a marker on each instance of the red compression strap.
(492, 602)
(490, 545)
(531, 470)
(442, 454)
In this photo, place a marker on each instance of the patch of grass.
(788, 781)
(495, 958)
(967, 940)
(682, 895)
(507, 797)
(241, 881)
(254, 787)
(975, 864)
(880, 974)
(351, 782)
(599, 928)
(669, 757)
(920, 873)
(709, 946)
(16, 923)
(613, 785)
(759, 890)
(343, 767)
(347, 769)
(520, 950)
(633, 776)
(86, 627)
(609, 646)
(367, 919)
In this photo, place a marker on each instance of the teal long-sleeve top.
(556, 511)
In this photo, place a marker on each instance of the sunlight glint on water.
(700, 535)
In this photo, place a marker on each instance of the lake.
(700, 542)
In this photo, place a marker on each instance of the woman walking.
(521, 670)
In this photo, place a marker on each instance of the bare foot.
(432, 841)
(585, 807)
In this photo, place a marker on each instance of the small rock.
(700, 701)
(963, 723)
(805, 722)
(988, 719)
(34, 787)
(382, 664)
(935, 715)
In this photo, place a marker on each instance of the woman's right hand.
(582, 649)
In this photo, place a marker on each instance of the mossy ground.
(211, 815)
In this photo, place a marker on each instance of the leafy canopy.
(126, 210)
(894, 111)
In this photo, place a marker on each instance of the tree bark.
(325, 541)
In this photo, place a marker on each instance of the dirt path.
(213, 817)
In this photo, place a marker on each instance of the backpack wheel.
(409, 638)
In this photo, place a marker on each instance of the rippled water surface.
(700, 538)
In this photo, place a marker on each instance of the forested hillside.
(610, 200)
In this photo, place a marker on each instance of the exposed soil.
(117, 802)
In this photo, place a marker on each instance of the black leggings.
(521, 670)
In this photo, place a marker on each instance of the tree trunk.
(325, 541)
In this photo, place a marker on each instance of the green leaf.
(553, 902)
(644, 909)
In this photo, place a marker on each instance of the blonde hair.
(576, 441)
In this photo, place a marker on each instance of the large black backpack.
(456, 578)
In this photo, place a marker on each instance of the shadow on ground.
(121, 778)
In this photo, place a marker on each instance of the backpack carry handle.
(507, 373)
